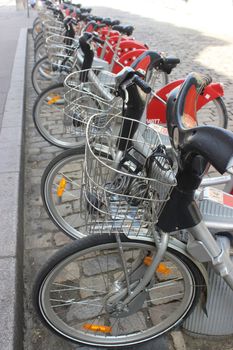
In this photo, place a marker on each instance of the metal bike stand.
(219, 309)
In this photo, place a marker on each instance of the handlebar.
(214, 144)
(97, 39)
(127, 83)
(199, 82)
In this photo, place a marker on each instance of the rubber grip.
(142, 84)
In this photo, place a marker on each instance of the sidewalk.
(11, 21)
(12, 78)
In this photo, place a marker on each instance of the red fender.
(89, 28)
(156, 110)
(211, 92)
(127, 59)
(109, 53)
(104, 31)
(114, 36)
(127, 44)
(130, 45)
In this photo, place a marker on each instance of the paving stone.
(61, 239)
(41, 239)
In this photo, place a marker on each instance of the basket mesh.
(125, 193)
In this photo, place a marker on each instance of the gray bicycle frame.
(202, 246)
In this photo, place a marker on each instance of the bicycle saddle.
(110, 22)
(124, 29)
(98, 18)
(168, 63)
(77, 5)
(85, 9)
(83, 16)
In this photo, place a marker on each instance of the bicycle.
(117, 51)
(131, 280)
(51, 102)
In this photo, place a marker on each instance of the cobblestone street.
(198, 51)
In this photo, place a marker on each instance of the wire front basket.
(128, 179)
(60, 49)
(90, 92)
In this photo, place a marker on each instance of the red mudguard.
(156, 110)
(125, 47)
(127, 59)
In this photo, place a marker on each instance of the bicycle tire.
(51, 122)
(43, 76)
(36, 30)
(64, 210)
(71, 282)
(213, 113)
(40, 51)
(36, 20)
(156, 78)
(39, 39)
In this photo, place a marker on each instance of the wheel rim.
(64, 208)
(43, 76)
(53, 125)
(67, 296)
(40, 52)
(212, 114)
(156, 79)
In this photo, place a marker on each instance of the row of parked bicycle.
(131, 188)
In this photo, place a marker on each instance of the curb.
(11, 205)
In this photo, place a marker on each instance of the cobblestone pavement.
(197, 51)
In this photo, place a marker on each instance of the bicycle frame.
(202, 245)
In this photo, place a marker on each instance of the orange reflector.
(61, 187)
(54, 99)
(97, 328)
(163, 269)
(147, 260)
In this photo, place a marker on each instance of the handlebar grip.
(98, 40)
(142, 84)
(206, 80)
(74, 21)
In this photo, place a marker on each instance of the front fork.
(205, 248)
(161, 248)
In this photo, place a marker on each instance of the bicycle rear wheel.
(73, 292)
(213, 113)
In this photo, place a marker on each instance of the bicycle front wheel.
(43, 75)
(40, 50)
(76, 289)
(61, 191)
(50, 120)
